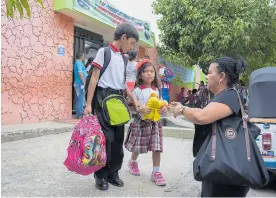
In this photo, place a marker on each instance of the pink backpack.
(87, 147)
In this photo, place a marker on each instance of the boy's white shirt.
(114, 75)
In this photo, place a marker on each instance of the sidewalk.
(173, 127)
(27, 176)
(34, 168)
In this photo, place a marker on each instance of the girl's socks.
(155, 169)
(131, 160)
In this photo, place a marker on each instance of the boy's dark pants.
(114, 149)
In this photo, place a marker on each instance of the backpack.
(86, 152)
(168, 75)
(107, 58)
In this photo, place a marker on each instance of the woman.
(223, 74)
(131, 70)
(89, 63)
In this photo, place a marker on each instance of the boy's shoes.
(133, 168)
(116, 181)
(158, 179)
(101, 183)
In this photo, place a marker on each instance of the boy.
(112, 81)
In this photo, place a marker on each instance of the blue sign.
(61, 50)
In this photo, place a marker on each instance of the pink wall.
(36, 82)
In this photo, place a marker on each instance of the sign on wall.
(108, 14)
(183, 76)
(61, 50)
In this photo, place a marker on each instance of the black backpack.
(107, 58)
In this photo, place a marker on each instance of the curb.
(176, 132)
(27, 134)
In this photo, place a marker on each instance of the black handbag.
(230, 154)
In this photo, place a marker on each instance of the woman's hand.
(144, 110)
(176, 108)
(164, 110)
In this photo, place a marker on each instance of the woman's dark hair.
(231, 68)
(132, 55)
(89, 61)
(139, 81)
(194, 91)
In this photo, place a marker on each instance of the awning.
(102, 17)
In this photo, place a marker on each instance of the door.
(88, 43)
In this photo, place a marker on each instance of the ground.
(34, 167)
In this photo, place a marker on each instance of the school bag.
(107, 58)
(86, 152)
(168, 75)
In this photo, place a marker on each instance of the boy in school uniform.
(112, 81)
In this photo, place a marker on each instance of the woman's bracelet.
(182, 109)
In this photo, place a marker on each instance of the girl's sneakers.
(158, 179)
(133, 168)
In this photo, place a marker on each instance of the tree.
(19, 5)
(198, 31)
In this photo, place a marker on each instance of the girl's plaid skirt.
(144, 136)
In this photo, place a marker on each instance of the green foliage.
(198, 31)
(19, 5)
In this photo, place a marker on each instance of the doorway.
(89, 43)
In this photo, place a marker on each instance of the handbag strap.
(214, 140)
(246, 133)
(245, 127)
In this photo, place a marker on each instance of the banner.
(183, 76)
(108, 14)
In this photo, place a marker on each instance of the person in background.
(131, 70)
(192, 99)
(89, 63)
(181, 95)
(80, 75)
(203, 96)
(201, 86)
(146, 57)
(243, 91)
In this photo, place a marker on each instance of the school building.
(38, 55)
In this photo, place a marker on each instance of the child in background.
(145, 135)
(131, 70)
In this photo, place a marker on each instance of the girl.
(145, 135)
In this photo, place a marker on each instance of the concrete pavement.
(34, 167)
(174, 127)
